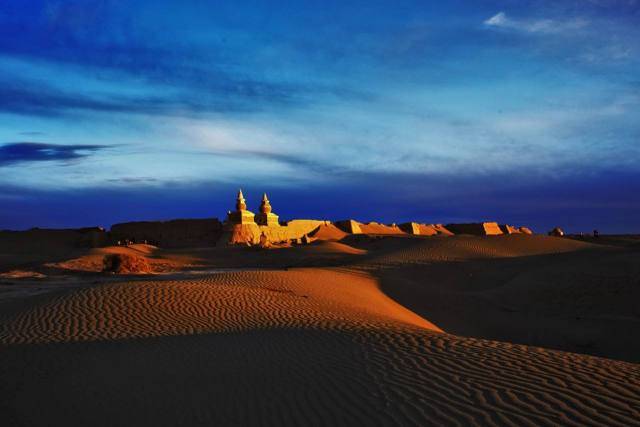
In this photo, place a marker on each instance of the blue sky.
(526, 112)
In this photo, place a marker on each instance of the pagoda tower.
(266, 217)
(241, 214)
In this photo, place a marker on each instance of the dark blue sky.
(526, 112)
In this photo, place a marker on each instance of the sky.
(525, 112)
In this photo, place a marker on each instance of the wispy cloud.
(32, 97)
(17, 152)
(296, 162)
(542, 26)
(595, 40)
(133, 180)
(32, 133)
(49, 88)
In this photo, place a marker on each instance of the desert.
(319, 213)
(336, 328)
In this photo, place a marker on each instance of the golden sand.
(356, 341)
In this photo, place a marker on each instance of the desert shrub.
(125, 264)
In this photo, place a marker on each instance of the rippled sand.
(302, 346)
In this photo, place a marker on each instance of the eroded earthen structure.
(477, 229)
(245, 227)
(415, 228)
(241, 227)
(177, 233)
(266, 217)
(241, 215)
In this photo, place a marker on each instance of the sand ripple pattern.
(441, 379)
(397, 376)
(319, 347)
(227, 302)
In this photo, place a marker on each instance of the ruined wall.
(477, 229)
(299, 227)
(418, 229)
(377, 228)
(508, 229)
(349, 226)
(410, 228)
(525, 230)
(239, 234)
(279, 233)
(250, 233)
(42, 239)
(179, 233)
(435, 228)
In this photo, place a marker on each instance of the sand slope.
(534, 290)
(464, 248)
(225, 302)
(327, 346)
(328, 232)
(302, 377)
(92, 261)
(285, 348)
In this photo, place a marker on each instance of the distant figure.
(556, 232)
(596, 233)
(264, 240)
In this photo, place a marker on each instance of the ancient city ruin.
(241, 227)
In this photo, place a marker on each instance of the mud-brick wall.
(297, 228)
(179, 233)
(250, 233)
(42, 239)
(477, 229)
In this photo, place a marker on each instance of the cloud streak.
(39, 99)
(171, 92)
(536, 26)
(20, 152)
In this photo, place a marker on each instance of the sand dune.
(285, 348)
(225, 302)
(462, 248)
(319, 252)
(334, 345)
(333, 247)
(93, 260)
(533, 290)
(328, 232)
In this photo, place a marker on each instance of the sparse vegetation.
(125, 264)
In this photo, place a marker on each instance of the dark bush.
(125, 264)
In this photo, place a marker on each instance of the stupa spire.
(241, 203)
(241, 215)
(265, 206)
(265, 216)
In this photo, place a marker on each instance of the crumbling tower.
(266, 217)
(241, 214)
